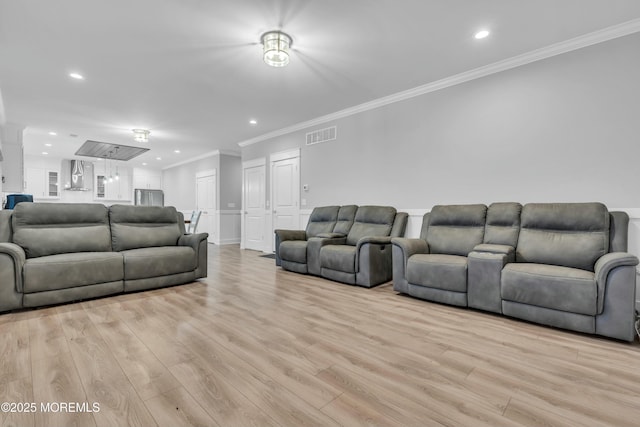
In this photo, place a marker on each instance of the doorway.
(253, 200)
(206, 198)
(285, 192)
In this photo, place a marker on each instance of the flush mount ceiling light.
(141, 135)
(481, 34)
(275, 45)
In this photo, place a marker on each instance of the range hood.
(78, 175)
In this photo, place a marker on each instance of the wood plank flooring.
(253, 345)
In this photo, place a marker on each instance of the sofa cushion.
(371, 221)
(134, 227)
(448, 272)
(62, 271)
(346, 216)
(43, 229)
(565, 234)
(455, 229)
(322, 220)
(550, 286)
(338, 257)
(158, 261)
(294, 250)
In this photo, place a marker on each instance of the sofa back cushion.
(134, 227)
(455, 229)
(566, 234)
(322, 220)
(503, 224)
(43, 229)
(346, 216)
(371, 221)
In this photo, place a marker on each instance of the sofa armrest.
(12, 260)
(377, 240)
(605, 265)
(198, 242)
(616, 286)
(284, 235)
(331, 236)
(507, 250)
(402, 249)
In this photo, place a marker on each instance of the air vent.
(322, 135)
(109, 151)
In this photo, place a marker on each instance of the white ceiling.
(191, 70)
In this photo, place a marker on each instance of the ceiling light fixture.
(141, 135)
(52, 133)
(481, 34)
(275, 45)
(253, 122)
(76, 76)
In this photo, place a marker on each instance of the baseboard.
(235, 241)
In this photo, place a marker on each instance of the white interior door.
(206, 203)
(285, 195)
(253, 202)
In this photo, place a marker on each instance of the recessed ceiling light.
(76, 76)
(481, 34)
(144, 164)
(176, 151)
(47, 145)
(52, 133)
(45, 153)
(158, 158)
(253, 122)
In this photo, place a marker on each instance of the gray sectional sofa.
(558, 264)
(58, 252)
(349, 244)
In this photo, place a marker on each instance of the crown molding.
(203, 156)
(575, 43)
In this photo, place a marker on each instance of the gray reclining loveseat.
(558, 264)
(58, 252)
(348, 244)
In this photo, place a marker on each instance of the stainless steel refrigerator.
(148, 197)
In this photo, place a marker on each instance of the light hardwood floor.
(253, 345)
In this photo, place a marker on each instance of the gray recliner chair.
(299, 250)
(364, 257)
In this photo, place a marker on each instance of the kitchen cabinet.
(117, 188)
(42, 183)
(147, 180)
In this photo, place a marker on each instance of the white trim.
(254, 163)
(232, 212)
(575, 43)
(203, 156)
(284, 155)
(202, 174)
(235, 241)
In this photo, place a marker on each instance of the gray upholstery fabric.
(296, 267)
(503, 224)
(447, 272)
(565, 234)
(550, 317)
(403, 249)
(618, 311)
(339, 276)
(346, 216)
(338, 257)
(135, 227)
(157, 261)
(294, 251)
(314, 245)
(55, 228)
(438, 295)
(373, 263)
(10, 297)
(484, 272)
(18, 257)
(371, 221)
(322, 220)
(198, 242)
(456, 229)
(158, 282)
(550, 286)
(6, 233)
(618, 231)
(78, 293)
(425, 226)
(71, 270)
(399, 224)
